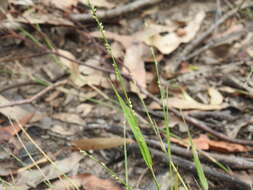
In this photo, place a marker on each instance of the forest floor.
(61, 124)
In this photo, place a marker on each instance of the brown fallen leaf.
(204, 143)
(185, 102)
(34, 17)
(64, 5)
(9, 131)
(69, 118)
(216, 97)
(14, 112)
(100, 143)
(98, 3)
(134, 63)
(125, 40)
(86, 181)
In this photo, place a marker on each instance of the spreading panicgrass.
(125, 103)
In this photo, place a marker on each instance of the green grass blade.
(132, 121)
(200, 172)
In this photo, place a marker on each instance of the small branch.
(234, 162)
(183, 55)
(18, 85)
(116, 12)
(213, 43)
(36, 96)
(197, 123)
(210, 173)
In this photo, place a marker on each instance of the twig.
(197, 123)
(213, 174)
(116, 12)
(36, 96)
(213, 43)
(234, 162)
(197, 41)
(18, 85)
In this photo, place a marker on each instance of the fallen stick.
(234, 162)
(36, 96)
(223, 178)
(116, 12)
(183, 56)
(6, 25)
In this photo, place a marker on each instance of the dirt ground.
(190, 61)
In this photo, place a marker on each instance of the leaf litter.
(77, 119)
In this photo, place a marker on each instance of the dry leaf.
(99, 3)
(21, 2)
(33, 17)
(125, 40)
(9, 131)
(14, 112)
(31, 178)
(63, 131)
(100, 143)
(134, 63)
(60, 4)
(69, 118)
(216, 97)
(84, 109)
(117, 50)
(91, 76)
(185, 102)
(250, 51)
(87, 181)
(72, 66)
(153, 34)
(152, 30)
(83, 75)
(193, 27)
(204, 143)
(166, 44)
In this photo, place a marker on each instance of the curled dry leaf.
(125, 40)
(250, 51)
(99, 3)
(84, 109)
(100, 143)
(63, 5)
(68, 61)
(82, 75)
(86, 181)
(134, 63)
(9, 131)
(33, 17)
(14, 112)
(91, 76)
(216, 97)
(204, 143)
(152, 35)
(117, 50)
(69, 118)
(185, 102)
